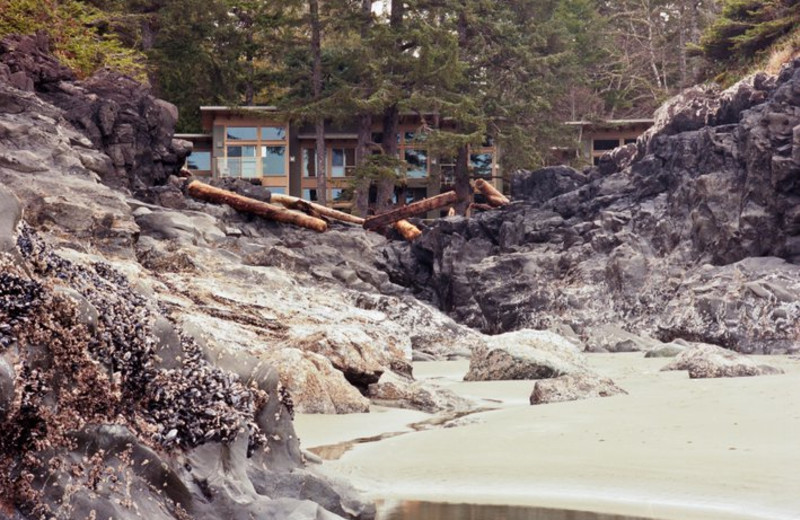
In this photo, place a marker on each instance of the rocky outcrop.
(707, 361)
(572, 387)
(693, 235)
(117, 114)
(525, 354)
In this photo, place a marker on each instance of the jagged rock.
(711, 194)
(704, 361)
(403, 392)
(572, 387)
(118, 114)
(525, 354)
(182, 227)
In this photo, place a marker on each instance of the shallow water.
(411, 510)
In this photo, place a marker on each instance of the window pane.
(481, 164)
(241, 151)
(276, 190)
(605, 144)
(199, 160)
(310, 195)
(272, 160)
(273, 133)
(242, 133)
(338, 195)
(416, 164)
(309, 163)
(337, 162)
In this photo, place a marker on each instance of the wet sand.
(673, 449)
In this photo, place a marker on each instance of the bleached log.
(405, 212)
(238, 202)
(493, 196)
(315, 209)
(409, 231)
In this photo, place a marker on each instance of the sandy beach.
(672, 449)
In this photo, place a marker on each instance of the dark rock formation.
(119, 115)
(708, 361)
(696, 235)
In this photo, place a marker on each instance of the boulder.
(525, 354)
(612, 338)
(706, 361)
(314, 384)
(361, 356)
(402, 392)
(573, 387)
(667, 350)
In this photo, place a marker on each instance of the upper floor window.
(343, 162)
(242, 133)
(273, 133)
(605, 144)
(272, 160)
(199, 160)
(481, 164)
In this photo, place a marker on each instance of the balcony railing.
(239, 167)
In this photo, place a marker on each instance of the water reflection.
(439, 511)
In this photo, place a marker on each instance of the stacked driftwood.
(303, 213)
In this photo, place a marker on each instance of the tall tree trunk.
(461, 181)
(462, 187)
(386, 184)
(362, 152)
(316, 80)
(364, 128)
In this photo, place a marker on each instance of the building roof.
(265, 108)
(329, 135)
(612, 122)
(192, 136)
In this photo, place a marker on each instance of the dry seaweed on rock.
(82, 343)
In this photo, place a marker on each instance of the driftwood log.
(404, 212)
(208, 193)
(409, 231)
(493, 196)
(315, 209)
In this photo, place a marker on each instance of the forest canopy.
(512, 69)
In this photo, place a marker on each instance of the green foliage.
(73, 29)
(746, 29)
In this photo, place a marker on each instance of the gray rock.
(708, 361)
(526, 354)
(679, 240)
(10, 213)
(665, 351)
(573, 387)
(7, 385)
(403, 392)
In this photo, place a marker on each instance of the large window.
(416, 163)
(481, 164)
(199, 160)
(414, 154)
(309, 162)
(255, 151)
(242, 133)
(343, 162)
(272, 160)
(605, 144)
(273, 133)
(241, 161)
